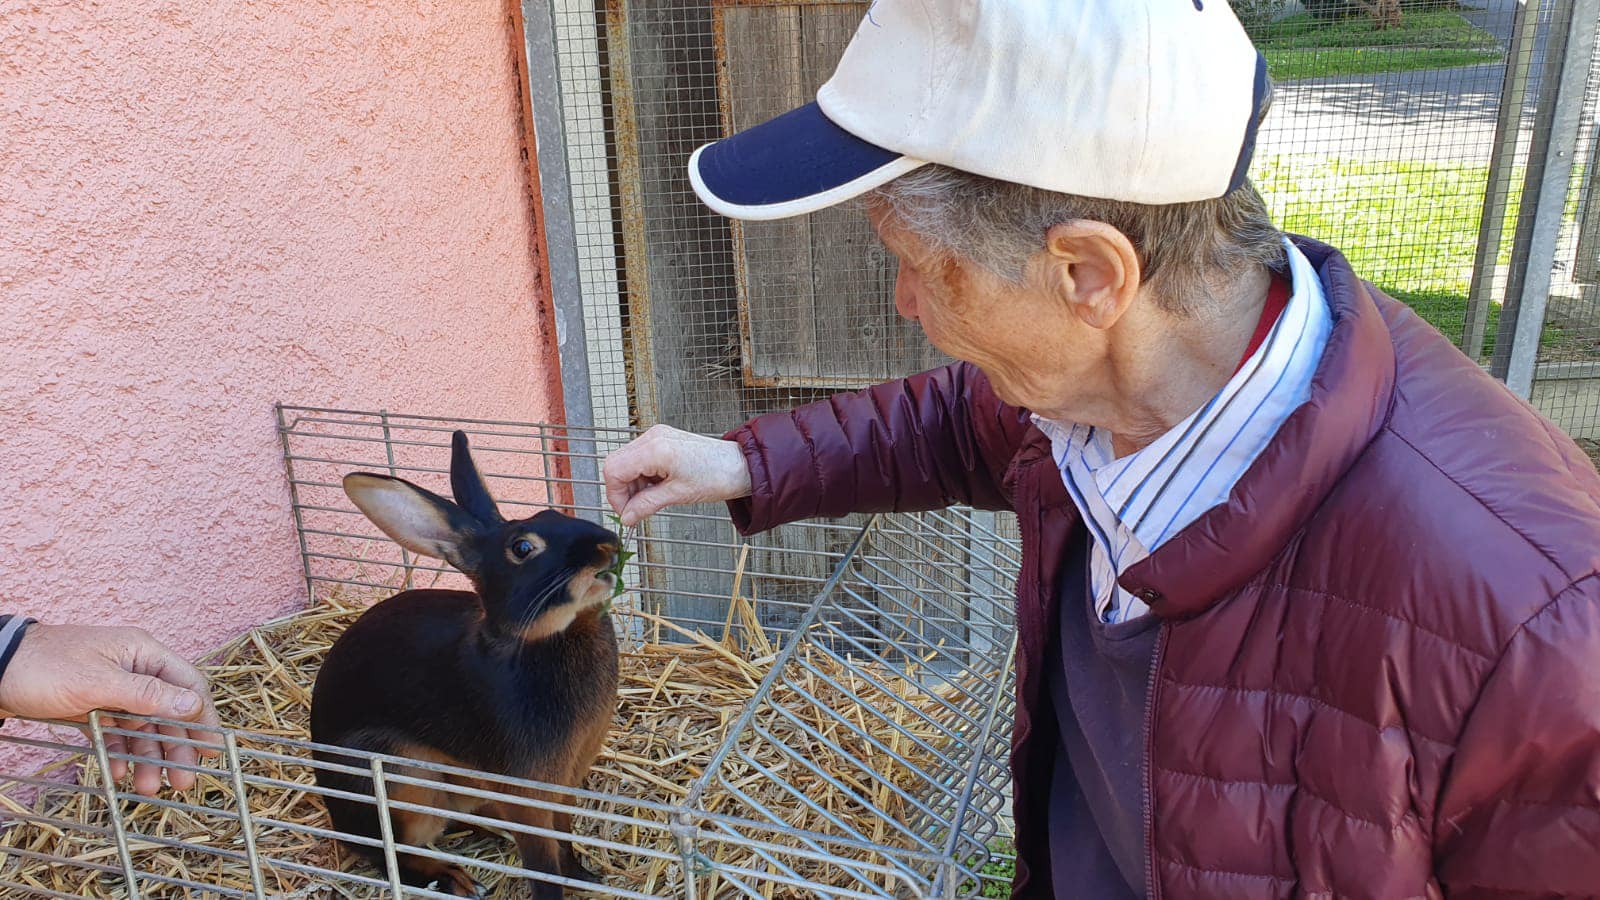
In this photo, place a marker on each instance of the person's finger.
(154, 659)
(639, 507)
(625, 471)
(211, 739)
(623, 464)
(116, 743)
(618, 497)
(179, 754)
(147, 768)
(175, 670)
(208, 729)
(650, 501)
(144, 695)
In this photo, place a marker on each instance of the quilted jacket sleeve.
(924, 442)
(1520, 813)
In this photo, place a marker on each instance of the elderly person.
(1309, 604)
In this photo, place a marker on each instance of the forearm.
(924, 442)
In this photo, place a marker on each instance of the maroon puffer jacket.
(1378, 673)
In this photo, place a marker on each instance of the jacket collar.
(1319, 442)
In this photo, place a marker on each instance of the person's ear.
(1092, 267)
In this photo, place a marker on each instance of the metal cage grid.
(905, 790)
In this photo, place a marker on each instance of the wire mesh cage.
(823, 711)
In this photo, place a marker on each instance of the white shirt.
(1134, 504)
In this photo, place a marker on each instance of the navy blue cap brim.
(798, 163)
(1258, 113)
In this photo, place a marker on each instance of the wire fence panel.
(695, 320)
(1566, 376)
(1380, 141)
(1405, 132)
(253, 828)
(818, 716)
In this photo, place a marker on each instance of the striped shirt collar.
(1134, 504)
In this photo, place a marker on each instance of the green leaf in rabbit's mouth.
(618, 586)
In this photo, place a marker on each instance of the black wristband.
(11, 631)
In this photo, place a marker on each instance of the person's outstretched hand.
(667, 467)
(64, 671)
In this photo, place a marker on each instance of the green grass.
(1302, 47)
(1410, 227)
(998, 874)
(1296, 65)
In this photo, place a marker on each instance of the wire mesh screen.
(1405, 132)
(1445, 155)
(694, 320)
(1381, 136)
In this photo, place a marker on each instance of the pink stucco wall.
(209, 207)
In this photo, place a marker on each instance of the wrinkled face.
(544, 572)
(1020, 335)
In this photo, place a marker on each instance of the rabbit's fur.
(518, 678)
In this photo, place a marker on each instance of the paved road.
(1434, 114)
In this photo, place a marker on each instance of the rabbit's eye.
(520, 549)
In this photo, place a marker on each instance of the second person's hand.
(668, 467)
(65, 671)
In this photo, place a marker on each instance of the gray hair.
(1185, 250)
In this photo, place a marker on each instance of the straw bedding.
(677, 700)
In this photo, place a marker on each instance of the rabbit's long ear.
(467, 484)
(417, 519)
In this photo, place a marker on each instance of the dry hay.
(677, 701)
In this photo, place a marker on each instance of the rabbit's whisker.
(558, 581)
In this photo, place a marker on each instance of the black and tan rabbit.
(518, 678)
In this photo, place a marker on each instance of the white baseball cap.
(1146, 101)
